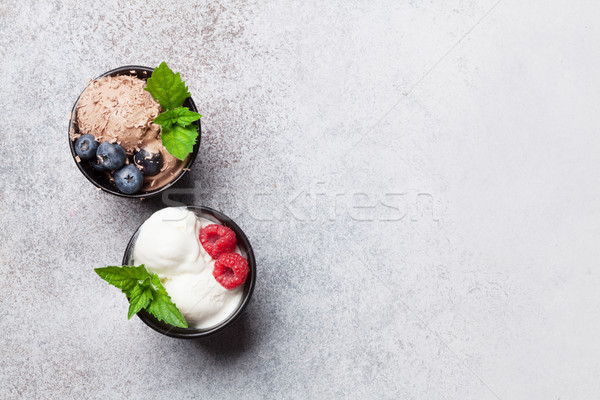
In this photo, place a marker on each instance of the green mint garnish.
(143, 290)
(177, 132)
(181, 116)
(179, 140)
(167, 87)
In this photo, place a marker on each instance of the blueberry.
(98, 167)
(129, 179)
(111, 156)
(149, 162)
(86, 146)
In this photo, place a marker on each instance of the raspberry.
(231, 270)
(217, 240)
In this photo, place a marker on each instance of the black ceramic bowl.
(246, 250)
(101, 179)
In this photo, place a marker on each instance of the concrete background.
(419, 181)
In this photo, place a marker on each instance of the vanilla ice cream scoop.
(168, 243)
(201, 299)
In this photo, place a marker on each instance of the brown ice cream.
(119, 110)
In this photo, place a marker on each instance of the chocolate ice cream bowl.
(246, 251)
(102, 180)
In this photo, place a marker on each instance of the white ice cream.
(168, 242)
(168, 245)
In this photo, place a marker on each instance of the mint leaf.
(179, 140)
(125, 277)
(139, 298)
(143, 291)
(167, 87)
(181, 116)
(163, 308)
(185, 117)
(166, 119)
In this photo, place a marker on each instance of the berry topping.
(149, 162)
(231, 270)
(86, 147)
(217, 240)
(111, 156)
(129, 179)
(98, 167)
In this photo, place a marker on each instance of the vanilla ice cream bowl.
(167, 244)
(102, 180)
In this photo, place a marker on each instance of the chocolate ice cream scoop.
(117, 109)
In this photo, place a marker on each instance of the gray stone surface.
(419, 180)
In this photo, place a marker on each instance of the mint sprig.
(177, 132)
(143, 290)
